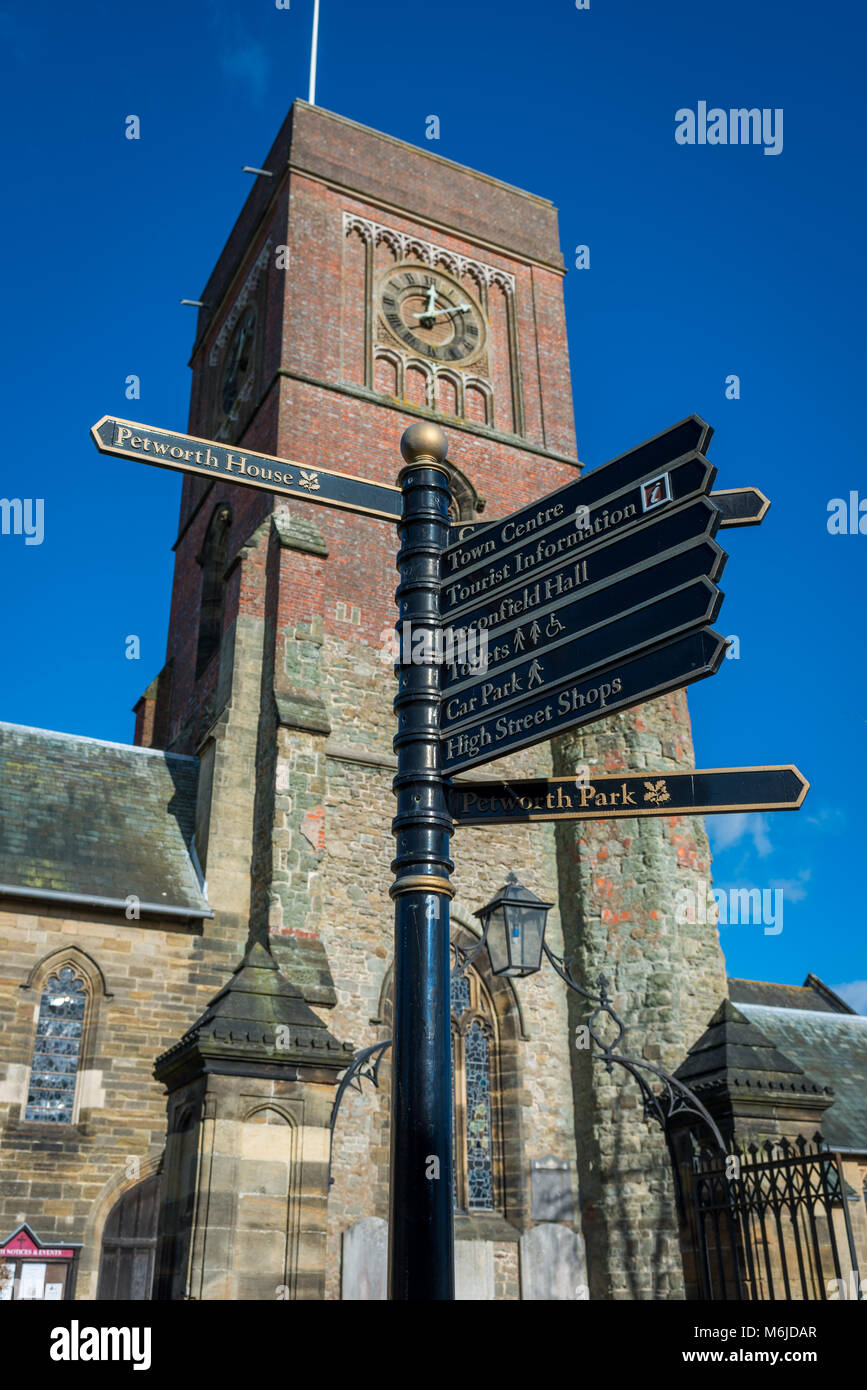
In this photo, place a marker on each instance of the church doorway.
(126, 1267)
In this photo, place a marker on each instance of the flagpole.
(312, 93)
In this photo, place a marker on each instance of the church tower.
(279, 680)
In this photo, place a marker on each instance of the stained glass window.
(57, 1047)
(472, 1099)
(460, 989)
(480, 1165)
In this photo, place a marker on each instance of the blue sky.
(704, 261)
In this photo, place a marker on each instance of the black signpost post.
(592, 600)
(420, 1245)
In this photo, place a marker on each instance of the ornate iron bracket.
(674, 1098)
(465, 958)
(363, 1067)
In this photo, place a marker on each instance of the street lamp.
(513, 927)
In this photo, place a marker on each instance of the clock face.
(238, 362)
(432, 314)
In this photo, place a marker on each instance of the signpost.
(593, 599)
(706, 791)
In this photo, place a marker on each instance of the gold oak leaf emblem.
(309, 480)
(656, 792)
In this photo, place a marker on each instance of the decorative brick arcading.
(248, 289)
(405, 244)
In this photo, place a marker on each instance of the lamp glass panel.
(526, 928)
(498, 945)
(533, 936)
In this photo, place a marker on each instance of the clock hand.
(450, 309)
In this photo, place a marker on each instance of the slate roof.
(812, 994)
(735, 1051)
(260, 1017)
(832, 1050)
(82, 819)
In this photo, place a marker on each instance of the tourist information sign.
(584, 598)
(705, 791)
(591, 502)
(490, 568)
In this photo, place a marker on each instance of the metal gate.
(770, 1222)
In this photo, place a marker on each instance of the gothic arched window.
(57, 1048)
(213, 560)
(466, 504)
(474, 1094)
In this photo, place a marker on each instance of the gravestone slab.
(364, 1274)
(553, 1264)
(474, 1270)
(551, 1187)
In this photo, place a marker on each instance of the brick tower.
(309, 348)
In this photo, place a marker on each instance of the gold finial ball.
(424, 440)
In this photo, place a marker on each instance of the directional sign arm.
(741, 506)
(624, 684)
(647, 461)
(237, 464)
(713, 791)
